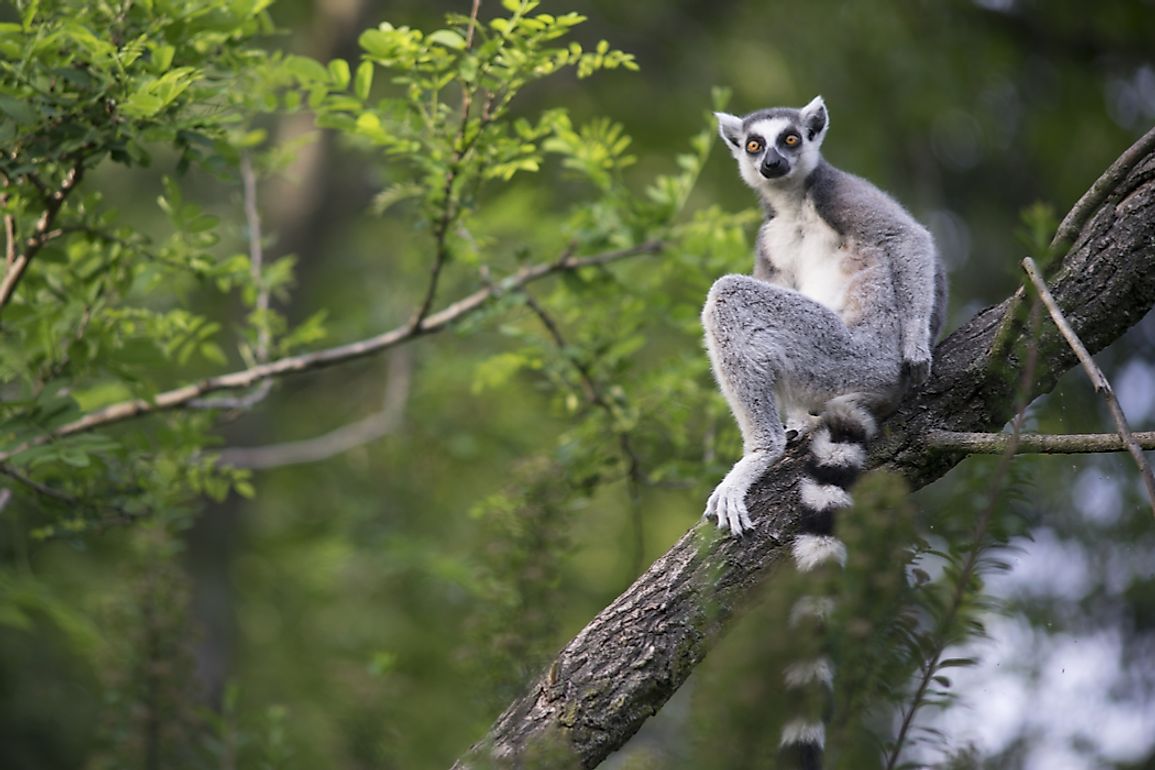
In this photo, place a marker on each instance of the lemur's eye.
(753, 146)
(792, 140)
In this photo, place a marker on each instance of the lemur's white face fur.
(776, 146)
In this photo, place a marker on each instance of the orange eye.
(753, 146)
(792, 140)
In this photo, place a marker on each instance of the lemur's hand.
(728, 502)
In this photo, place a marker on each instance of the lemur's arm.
(914, 267)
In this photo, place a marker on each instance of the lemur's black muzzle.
(773, 164)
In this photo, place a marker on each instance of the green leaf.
(307, 71)
(17, 109)
(447, 38)
(159, 93)
(363, 80)
(162, 56)
(339, 73)
(74, 458)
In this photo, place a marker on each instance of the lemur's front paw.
(727, 504)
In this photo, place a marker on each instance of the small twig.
(342, 439)
(9, 240)
(182, 396)
(590, 387)
(593, 393)
(37, 487)
(1098, 380)
(261, 306)
(9, 229)
(462, 147)
(41, 234)
(1105, 186)
(256, 255)
(472, 23)
(63, 497)
(1035, 443)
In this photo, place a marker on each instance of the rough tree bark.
(623, 666)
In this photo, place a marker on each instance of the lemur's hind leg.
(762, 338)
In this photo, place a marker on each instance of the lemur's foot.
(728, 502)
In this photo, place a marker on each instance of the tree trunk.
(623, 666)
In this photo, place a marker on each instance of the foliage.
(353, 613)
(93, 309)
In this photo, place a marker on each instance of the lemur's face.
(775, 146)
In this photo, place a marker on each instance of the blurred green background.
(378, 608)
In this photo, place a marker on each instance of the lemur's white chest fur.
(807, 253)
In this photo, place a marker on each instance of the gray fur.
(847, 296)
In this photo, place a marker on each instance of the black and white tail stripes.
(837, 456)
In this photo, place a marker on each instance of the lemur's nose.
(773, 164)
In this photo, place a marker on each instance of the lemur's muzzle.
(773, 164)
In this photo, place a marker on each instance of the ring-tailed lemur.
(838, 320)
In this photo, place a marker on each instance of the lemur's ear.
(730, 128)
(815, 119)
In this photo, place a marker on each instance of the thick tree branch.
(435, 322)
(630, 659)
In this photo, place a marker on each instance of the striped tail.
(837, 457)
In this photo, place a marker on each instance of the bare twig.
(472, 23)
(183, 395)
(120, 514)
(1035, 443)
(9, 229)
(1098, 380)
(9, 241)
(1106, 185)
(256, 255)
(41, 234)
(342, 439)
(1068, 230)
(261, 306)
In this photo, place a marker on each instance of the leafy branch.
(186, 394)
(18, 263)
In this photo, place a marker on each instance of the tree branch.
(41, 234)
(1106, 186)
(342, 439)
(185, 394)
(260, 353)
(1098, 379)
(621, 668)
(1035, 443)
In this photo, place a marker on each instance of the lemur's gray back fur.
(838, 321)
